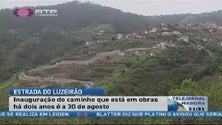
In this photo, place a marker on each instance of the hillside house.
(153, 30)
(119, 36)
(166, 33)
(176, 33)
(184, 39)
(163, 45)
(164, 28)
(100, 33)
(88, 43)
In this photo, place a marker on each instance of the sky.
(141, 7)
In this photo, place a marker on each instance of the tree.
(188, 87)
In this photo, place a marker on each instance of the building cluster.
(210, 27)
(163, 33)
(162, 30)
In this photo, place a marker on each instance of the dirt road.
(23, 76)
(87, 84)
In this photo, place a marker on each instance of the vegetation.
(26, 43)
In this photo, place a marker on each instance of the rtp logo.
(23, 12)
(27, 12)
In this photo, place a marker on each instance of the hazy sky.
(143, 7)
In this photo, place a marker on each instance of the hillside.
(89, 45)
(215, 16)
(73, 16)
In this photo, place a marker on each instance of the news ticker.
(91, 99)
(111, 114)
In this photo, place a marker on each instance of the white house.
(176, 33)
(204, 39)
(184, 39)
(166, 33)
(101, 31)
(163, 45)
(153, 30)
(127, 36)
(88, 43)
(99, 41)
(119, 36)
(164, 28)
(152, 54)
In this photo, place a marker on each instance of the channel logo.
(23, 12)
(175, 106)
(27, 12)
(187, 103)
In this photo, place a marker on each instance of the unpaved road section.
(23, 76)
(87, 84)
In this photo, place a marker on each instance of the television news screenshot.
(110, 62)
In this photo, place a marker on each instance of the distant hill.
(215, 16)
(75, 15)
